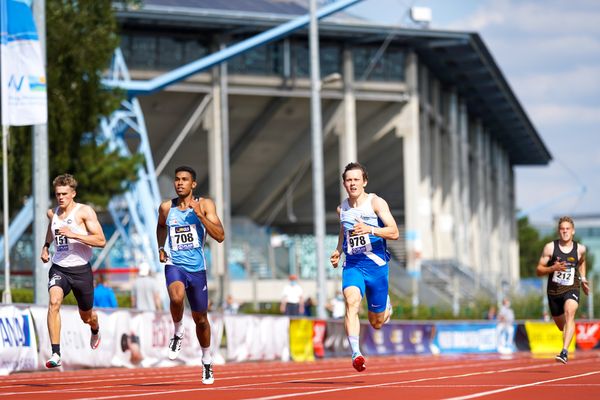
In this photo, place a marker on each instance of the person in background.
(491, 313)
(145, 293)
(292, 298)
(337, 306)
(309, 307)
(230, 307)
(104, 296)
(506, 314)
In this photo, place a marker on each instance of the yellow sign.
(301, 340)
(545, 338)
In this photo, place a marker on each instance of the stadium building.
(428, 112)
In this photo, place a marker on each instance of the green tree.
(530, 247)
(80, 39)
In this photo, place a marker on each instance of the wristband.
(583, 279)
(47, 245)
(161, 248)
(372, 231)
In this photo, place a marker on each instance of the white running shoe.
(175, 346)
(95, 341)
(207, 374)
(54, 361)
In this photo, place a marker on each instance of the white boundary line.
(489, 392)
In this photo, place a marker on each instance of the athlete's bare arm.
(543, 268)
(95, 236)
(389, 231)
(45, 256)
(161, 229)
(581, 250)
(334, 259)
(207, 212)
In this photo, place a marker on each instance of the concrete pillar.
(215, 174)
(458, 228)
(348, 141)
(465, 191)
(409, 129)
(425, 184)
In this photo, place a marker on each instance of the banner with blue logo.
(18, 345)
(23, 77)
(474, 338)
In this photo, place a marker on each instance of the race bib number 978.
(358, 244)
(184, 237)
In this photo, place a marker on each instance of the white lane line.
(323, 391)
(489, 392)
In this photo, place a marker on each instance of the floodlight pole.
(41, 185)
(317, 158)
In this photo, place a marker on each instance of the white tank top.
(69, 252)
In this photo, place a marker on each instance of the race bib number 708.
(184, 237)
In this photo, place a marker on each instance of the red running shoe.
(358, 362)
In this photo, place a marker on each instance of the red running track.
(516, 377)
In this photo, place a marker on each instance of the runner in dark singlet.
(563, 260)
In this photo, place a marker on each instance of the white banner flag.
(23, 78)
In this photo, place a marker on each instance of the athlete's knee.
(377, 324)
(54, 304)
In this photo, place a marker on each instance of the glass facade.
(163, 52)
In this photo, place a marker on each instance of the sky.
(549, 52)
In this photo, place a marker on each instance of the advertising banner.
(587, 335)
(319, 331)
(466, 338)
(254, 338)
(301, 340)
(18, 349)
(336, 340)
(22, 77)
(545, 338)
(397, 338)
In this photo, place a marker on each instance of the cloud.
(566, 114)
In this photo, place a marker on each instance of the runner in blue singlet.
(181, 231)
(365, 224)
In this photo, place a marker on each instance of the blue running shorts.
(196, 288)
(372, 282)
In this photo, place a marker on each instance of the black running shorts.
(557, 302)
(78, 279)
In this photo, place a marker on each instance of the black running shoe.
(207, 374)
(562, 357)
(175, 346)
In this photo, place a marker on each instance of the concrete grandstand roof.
(460, 60)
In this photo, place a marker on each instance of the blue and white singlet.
(362, 250)
(185, 239)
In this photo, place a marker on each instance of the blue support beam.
(135, 88)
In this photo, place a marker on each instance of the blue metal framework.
(141, 202)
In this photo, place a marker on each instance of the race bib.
(357, 244)
(184, 237)
(565, 278)
(61, 243)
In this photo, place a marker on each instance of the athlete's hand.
(45, 255)
(66, 232)
(360, 228)
(196, 205)
(335, 258)
(585, 286)
(162, 255)
(560, 266)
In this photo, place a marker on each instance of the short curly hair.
(65, 180)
